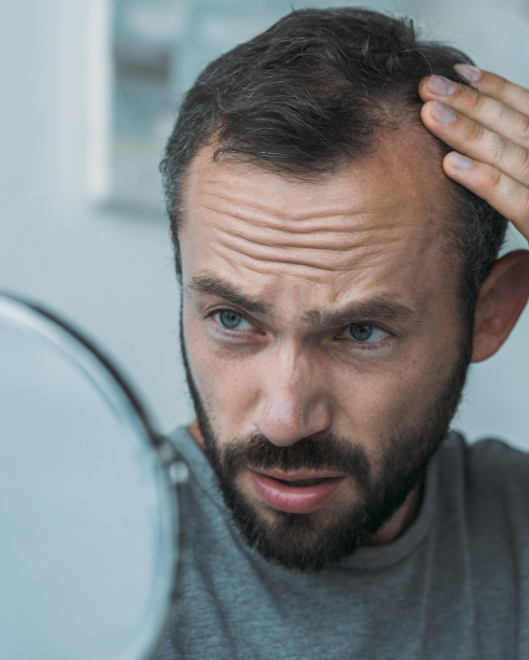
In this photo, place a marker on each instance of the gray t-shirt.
(454, 586)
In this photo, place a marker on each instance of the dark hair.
(315, 91)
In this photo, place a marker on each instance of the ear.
(501, 300)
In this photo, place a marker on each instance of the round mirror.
(88, 511)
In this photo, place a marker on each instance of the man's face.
(324, 345)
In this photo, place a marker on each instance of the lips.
(296, 492)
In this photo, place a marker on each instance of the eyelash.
(367, 346)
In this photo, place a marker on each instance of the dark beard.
(313, 541)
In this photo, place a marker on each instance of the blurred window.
(158, 48)
(144, 98)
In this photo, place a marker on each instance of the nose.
(293, 404)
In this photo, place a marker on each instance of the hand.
(488, 125)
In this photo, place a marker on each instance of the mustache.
(321, 451)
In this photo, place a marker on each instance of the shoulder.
(499, 467)
(489, 480)
(489, 461)
(483, 507)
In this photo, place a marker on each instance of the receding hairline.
(432, 152)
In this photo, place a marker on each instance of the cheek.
(227, 385)
(390, 396)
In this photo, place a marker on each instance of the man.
(338, 193)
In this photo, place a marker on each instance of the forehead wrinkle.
(250, 211)
(272, 243)
(315, 241)
(238, 222)
(266, 196)
(231, 191)
(332, 254)
(318, 260)
(273, 222)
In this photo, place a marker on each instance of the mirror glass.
(87, 515)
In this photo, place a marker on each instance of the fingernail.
(443, 113)
(441, 86)
(460, 161)
(468, 72)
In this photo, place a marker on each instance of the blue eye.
(231, 320)
(365, 333)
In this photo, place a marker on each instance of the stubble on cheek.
(226, 383)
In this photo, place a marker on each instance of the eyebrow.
(370, 310)
(376, 309)
(212, 286)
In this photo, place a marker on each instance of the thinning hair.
(315, 92)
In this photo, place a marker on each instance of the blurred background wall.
(89, 89)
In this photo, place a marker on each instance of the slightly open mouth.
(302, 482)
(296, 496)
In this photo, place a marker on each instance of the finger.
(489, 112)
(502, 192)
(515, 96)
(468, 137)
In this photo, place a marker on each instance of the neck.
(401, 520)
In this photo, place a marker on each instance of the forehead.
(378, 224)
